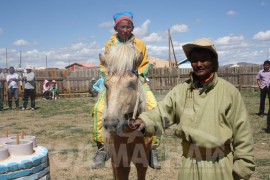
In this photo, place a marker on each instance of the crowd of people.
(14, 81)
(27, 80)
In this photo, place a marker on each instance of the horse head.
(124, 90)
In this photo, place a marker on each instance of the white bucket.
(3, 152)
(30, 138)
(25, 147)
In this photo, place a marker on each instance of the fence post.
(240, 80)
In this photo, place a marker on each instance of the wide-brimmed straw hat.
(202, 43)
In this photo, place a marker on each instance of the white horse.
(125, 100)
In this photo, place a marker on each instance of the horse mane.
(121, 58)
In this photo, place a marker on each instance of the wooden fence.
(161, 79)
(164, 79)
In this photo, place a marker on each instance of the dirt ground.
(64, 127)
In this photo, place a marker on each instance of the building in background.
(80, 65)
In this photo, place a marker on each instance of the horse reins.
(129, 120)
(130, 124)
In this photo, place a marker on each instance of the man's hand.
(139, 123)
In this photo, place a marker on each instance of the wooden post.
(169, 44)
(240, 80)
(46, 62)
(175, 61)
(17, 139)
(20, 65)
(22, 134)
(6, 59)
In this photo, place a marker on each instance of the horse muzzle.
(112, 125)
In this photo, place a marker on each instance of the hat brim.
(188, 48)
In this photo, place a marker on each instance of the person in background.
(123, 27)
(54, 90)
(91, 90)
(99, 85)
(12, 79)
(210, 117)
(5, 71)
(267, 130)
(29, 88)
(2, 81)
(47, 94)
(263, 81)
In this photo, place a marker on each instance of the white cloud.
(231, 13)
(235, 48)
(77, 46)
(106, 24)
(228, 40)
(262, 35)
(156, 51)
(179, 28)
(21, 42)
(56, 58)
(142, 30)
(153, 37)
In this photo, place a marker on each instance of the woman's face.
(124, 29)
(202, 64)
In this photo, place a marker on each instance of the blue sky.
(67, 31)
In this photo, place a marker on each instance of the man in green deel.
(210, 117)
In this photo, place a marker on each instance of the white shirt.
(12, 84)
(30, 80)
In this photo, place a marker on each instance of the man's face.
(202, 64)
(11, 70)
(266, 67)
(124, 29)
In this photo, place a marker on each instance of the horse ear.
(138, 61)
(102, 59)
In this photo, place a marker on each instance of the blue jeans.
(13, 92)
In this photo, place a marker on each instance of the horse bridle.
(128, 118)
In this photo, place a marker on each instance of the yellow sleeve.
(144, 66)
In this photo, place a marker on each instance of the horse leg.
(121, 172)
(141, 171)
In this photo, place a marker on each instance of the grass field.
(64, 127)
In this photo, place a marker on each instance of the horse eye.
(132, 85)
